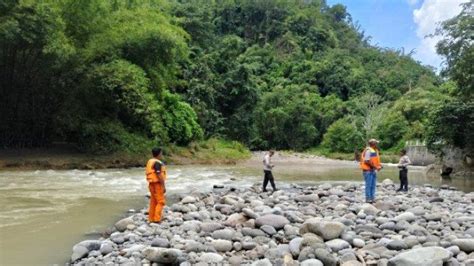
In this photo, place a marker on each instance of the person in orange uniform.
(370, 164)
(156, 177)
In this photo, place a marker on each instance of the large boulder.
(276, 221)
(421, 256)
(161, 255)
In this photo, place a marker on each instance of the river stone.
(250, 213)
(337, 244)
(209, 227)
(466, 244)
(210, 258)
(421, 256)
(329, 230)
(235, 260)
(226, 234)
(295, 244)
(268, 229)
(470, 231)
(122, 224)
(432, 217)
(325, 257)
(311, 262)
(397, 245)
(188, 199)
(253, 232)
(160, 255)
(369, 209)
(222, 245)
(235, 219)
(406, 216)
(160, 242)
(387, 182)
(355, 263)
(357, 242)
(263, 262)
(307, 198)
(106, 248)
(277, 221)
(78, 252)
(248, 245)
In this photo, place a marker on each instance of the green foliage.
(458, 49)
(452, 124)
(343, 136)
(267, 73)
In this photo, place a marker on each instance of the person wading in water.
(267, 170)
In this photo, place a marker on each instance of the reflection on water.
(45, 212)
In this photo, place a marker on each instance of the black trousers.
(268, 176)
(403, 179)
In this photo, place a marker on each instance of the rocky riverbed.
(326, 224)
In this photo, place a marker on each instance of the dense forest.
(123, 75)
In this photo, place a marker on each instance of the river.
(44, 213)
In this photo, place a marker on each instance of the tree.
(457, 46)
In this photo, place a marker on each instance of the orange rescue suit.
(374, 159)
(157, 189)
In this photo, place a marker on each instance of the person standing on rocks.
(370, 164)
(402, 165)
(267, 170)
(156, 176)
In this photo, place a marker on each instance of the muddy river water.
(44, 213)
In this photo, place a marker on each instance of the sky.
(403, 24)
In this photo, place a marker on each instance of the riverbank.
(300, 225)
(212, 151)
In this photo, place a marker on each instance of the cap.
(373, 141)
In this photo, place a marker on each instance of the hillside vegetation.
(115, 75)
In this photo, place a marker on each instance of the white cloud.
(427, 18)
